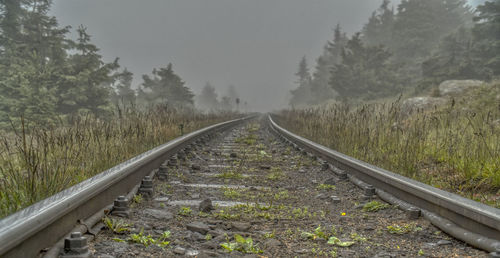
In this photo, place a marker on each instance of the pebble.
(272, 243)
(196, 167)
(331, 181)
(206, 205)
(241, 226)
(195, 196)
(197, 236)
(443, 242)
(199, 227)
(233, 155)
(179, 250)
(159, 214)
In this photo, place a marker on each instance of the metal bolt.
(369, 190)
(163, 172)
(120, 207)
(413, 213)
(146, 188)
(75, 246)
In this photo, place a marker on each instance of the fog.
(255, 45)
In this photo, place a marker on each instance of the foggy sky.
(254, 44)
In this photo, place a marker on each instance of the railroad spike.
(75, 247)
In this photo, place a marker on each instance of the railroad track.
(251, 188)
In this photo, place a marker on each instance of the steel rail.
(41, 225)
(476, 223)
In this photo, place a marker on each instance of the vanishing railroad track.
(248, 187)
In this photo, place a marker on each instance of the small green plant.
(275, 174)
(325, 187)
(230, 174)
(318, 233)
(241, 244)
(269, 235)
(117, 226)
(208, 237)
(374, 206)
(138, 198)
(148, 240)
(403, 229)
(282, 195)
(231, 193)
(358, 238)
(185, 211)
(421, 252)
(333, 240)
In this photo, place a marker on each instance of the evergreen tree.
(166, 87)
(487, 34)
(207, 100)
(122, 89)
(88, 84)
(320, 88)
(302, 94)
(378, 30)
(364, 71)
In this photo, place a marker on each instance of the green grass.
(455, 147)
(37, 162)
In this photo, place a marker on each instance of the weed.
(231, 193)
(374, 206)
(325, 187)
(403, 229)
(241, 244)
(333, 240)
(185, 211)
(148, 240)
(137, 198)
(269, 235)
(275, 174)
(117, 226)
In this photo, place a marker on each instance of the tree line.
(410, 49)
(46, 76)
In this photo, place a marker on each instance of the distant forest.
(47, 77)
(409, 49)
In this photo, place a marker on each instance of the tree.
(364, 71)
(33, 53)
(378, 30)
(88, 81)
(486, 31)
(207, 100)
(166, 87)
(302, 94)
(122, 89)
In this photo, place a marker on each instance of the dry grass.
(36, 163)
(455, 147)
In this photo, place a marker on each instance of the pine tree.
(207, 100)
(122, 93)
(487, 34)
(378, 30)
(166, 87)
(302, 94)
(364, 71)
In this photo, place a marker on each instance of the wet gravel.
(281, 202)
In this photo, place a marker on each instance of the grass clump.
(117, 226)
(453, 146)
(325, 187)
(244, 245)
(374, 206)
(403, 228)
(185, 211)
(37, 161)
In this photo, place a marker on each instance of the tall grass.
(38, 162)
(455, 147)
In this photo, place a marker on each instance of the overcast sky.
(254, 44)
